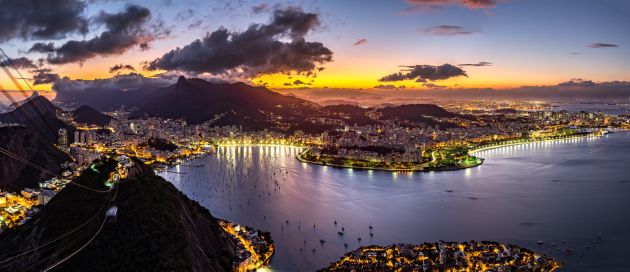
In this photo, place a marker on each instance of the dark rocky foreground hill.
(29, 145)
(157, 229)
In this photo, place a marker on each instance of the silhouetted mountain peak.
(88, 115)
(35, 100)
(197, 101)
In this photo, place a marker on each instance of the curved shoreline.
(446, 168)
(450, 168)
(477, 150)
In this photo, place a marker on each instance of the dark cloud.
(479, 4)
(104, 94)
(424, 5)
(66, 87)
(479, 64)
(424, 73)
(42, 48)
(260, 8)
(433, 86)
(124, 30)
(602, 45)
(385, 87)
(447, 30)
(276, 47)
(185, 15)
(121, 67)
(18, 63)
(612, 91)
(144, 46)
(195, 24)
(360, 42)
(298, 82)
(578, 82)
(44, 76)
(575, 53)
(41, 19)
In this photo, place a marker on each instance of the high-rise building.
(77, 137)
(89, 138)
(62, 137)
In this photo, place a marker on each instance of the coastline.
(477, 150)
(419, 169)
(445, 168)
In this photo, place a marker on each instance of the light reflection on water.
(568, 190)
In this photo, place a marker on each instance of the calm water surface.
(569, 190)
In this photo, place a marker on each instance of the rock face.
(23, 142)
(157, 228)
(90, 116)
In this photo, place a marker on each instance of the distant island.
(444, 256)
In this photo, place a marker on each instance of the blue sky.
(528, 42)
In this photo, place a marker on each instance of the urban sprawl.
(392, 145)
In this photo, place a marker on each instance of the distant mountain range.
(198, 101)
(239, 104)
(90, 116)
(156, 227)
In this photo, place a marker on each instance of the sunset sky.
(350, 44)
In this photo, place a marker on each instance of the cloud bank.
(121, 67)
(425, 73)
(124, 30)
(18, 63)
(478, 64)
(570, 91)
(447, 30)
(44, 76)
(276, 47)
(360, 42)
(66, 87)
(602, 45)
(423, 5)
(41, 19)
